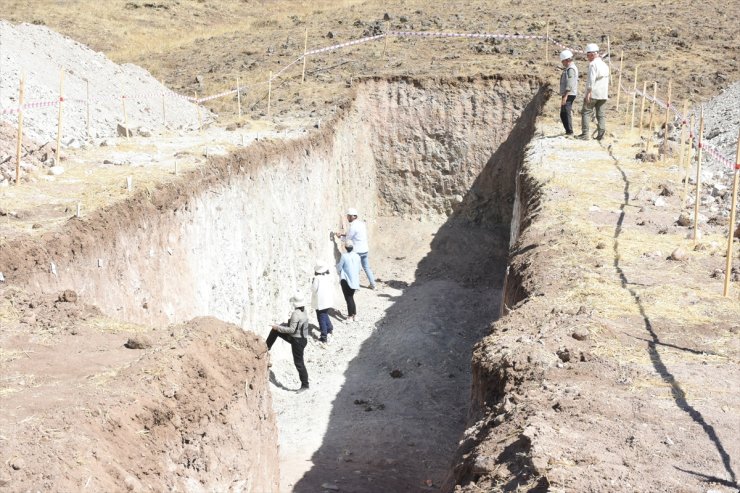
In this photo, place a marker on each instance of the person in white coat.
(357, 234)
(597, 93)
(322, 299)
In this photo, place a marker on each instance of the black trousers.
(566, 113)
(298, 345)
(349, 297)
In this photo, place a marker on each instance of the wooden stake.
(689, 147)
(125, 116)
(700, 144)
(269, 94)
(619, 84)
(667, 117)
(634, 100)
(59, 121)
(79, 210)
(642, 105)
(731, 234)
(164, 107)
(652, 115)
(18, 148)
(305, 49)
(385, 44)
(239, 98)
(609, 53)
(197, 107)
(547, 42)
(87, 98)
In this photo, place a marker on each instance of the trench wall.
(238, 240)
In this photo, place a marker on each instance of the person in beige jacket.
(597, 93)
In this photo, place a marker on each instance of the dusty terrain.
(615, 368)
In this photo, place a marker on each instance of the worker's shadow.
(277, 384)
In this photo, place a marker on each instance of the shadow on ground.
(396, 422)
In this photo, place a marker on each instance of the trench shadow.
(678, 394)
(396, 422)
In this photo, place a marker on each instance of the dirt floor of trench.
(390, 394)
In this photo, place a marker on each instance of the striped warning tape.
(424, 34)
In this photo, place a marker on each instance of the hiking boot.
(582, 137)
(302, 389)
(600, 135)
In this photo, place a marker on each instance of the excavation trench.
(433, 167)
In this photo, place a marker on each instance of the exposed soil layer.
(217, 242)
(93, 404)
(612, 370)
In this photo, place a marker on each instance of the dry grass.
(111, 326)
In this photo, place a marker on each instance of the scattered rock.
(56, 170)
(68, 296)
(145, 132)
(660, 202)
(122, 131)
(581, 334)
(647, 157)
(330, 486)
(138, 342)
(564, 354)
(17, 463)
(29, 319)
(396, 373)
(665, 190)
(600, 245)
(684, 219)
(679, 254)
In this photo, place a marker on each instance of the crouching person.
(295, 332)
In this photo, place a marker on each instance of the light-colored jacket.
(569, 81)
(322, 292)
(598, 79)
(349, 269)
(357, 232)
(297, 324)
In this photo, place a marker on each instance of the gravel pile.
(43, 54)
(721, 124)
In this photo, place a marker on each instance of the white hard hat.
(320, 268)
(297, 300)
(565, 55)
(592, 48)
(349, 244)
(352, 212)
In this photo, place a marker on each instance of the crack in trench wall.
(236, 243)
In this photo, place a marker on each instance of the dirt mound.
(190, 411)
(27, 47)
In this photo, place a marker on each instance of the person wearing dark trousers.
(568, 90)
(295, 332)
(322, 300)
(349, 274)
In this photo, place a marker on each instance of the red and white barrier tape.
(40, 104)
(424, 34)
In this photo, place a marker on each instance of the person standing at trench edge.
(568, 90)
(597, 93)
(357, 233)
(295, 332)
